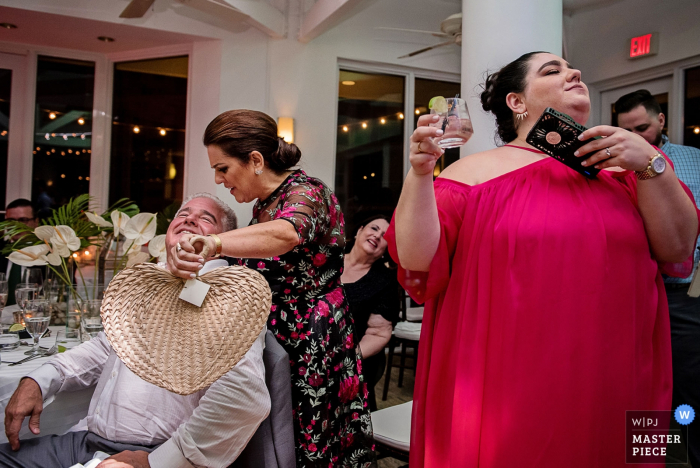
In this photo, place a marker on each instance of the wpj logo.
(650, 434)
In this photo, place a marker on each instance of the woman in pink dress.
(546, 316)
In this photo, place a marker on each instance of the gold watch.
(657, 166)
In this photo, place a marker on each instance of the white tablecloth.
(60, 414)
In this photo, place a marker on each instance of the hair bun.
(489, 90)
(286, 156)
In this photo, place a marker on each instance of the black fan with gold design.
(556, 134)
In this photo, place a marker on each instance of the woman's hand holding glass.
(424, 153)
(624, 149)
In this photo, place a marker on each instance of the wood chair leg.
(389, 363)
(403, 363)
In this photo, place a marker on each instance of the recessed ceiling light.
(105, 39)
(8, 25)
(348, 83)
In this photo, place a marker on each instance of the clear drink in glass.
(37, 315)
(458, 128)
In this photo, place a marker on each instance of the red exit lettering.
(640, 45)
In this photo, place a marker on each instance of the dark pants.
(685, 344)
(61, 451)
(372, 371)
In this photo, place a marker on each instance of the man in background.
(17, 210)
(639, 113)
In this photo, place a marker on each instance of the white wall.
(598, 39)
(285, 77)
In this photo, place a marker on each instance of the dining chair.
(392, 431)
(405, 336)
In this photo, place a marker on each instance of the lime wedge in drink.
(438, 104)
(16, 328)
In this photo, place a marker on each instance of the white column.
(494, 33)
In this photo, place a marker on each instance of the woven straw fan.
(174, 344)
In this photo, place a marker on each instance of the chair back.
(272, 445)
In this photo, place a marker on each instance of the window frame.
(20, 185)
(409, 74)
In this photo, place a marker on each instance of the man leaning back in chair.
(140, 424)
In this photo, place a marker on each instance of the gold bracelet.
(218, 245)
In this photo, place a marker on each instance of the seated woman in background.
(371, 288)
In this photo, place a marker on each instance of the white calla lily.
(54, 258)
(65, 239)
(141, 228)
(30, 256)
(136, 258)
(157, 248)
(119, 221)
(44, 233)
(98, 220)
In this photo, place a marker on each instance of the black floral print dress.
(309, 317)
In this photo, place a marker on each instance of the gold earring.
(521, 117)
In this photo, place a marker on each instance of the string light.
(372, 174)
(162, 132)
(696, 130)
(417, 111)
(52, 115)
(136, 129)
(365, 125)
(81, 121)
(63, 176)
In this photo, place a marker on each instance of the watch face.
(658, 164)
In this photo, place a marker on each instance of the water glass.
(91, 319)
(25, 292)
(74, 311)
(456, 124)
(3, 293)
(37, 315)
(35, 276)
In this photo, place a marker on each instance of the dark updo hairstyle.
(509, 79)
(240, 132)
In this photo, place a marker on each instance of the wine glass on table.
(454, 121)
(91, 318)
(25, 292)
(35, 276)
(37, 315)
(3, 294)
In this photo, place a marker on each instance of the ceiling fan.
(450, 27)
(136, 9)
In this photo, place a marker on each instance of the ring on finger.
(420, 150)
(607, 151)
(178, 247)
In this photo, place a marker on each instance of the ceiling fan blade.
(434, 33)
(136, 9)
(420, 51)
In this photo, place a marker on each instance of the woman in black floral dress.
(296, 240)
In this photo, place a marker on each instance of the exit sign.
(644, 46)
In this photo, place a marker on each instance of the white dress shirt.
(209, 428)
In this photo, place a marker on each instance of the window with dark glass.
(691, 132)
(425, 91)
(5, 91)
(370, 139)
(149, 109)
(62, 131)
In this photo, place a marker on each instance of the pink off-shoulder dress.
(545, 320)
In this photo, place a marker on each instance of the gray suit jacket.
(272, 445)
